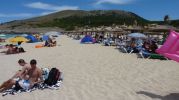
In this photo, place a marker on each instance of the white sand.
(95, 72)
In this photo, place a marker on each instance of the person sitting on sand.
(10, 49)
(19, 74)
(7, 46)
(48, 43)
(19, 44)
(33, 76)
(146, 51)
(20, 50)
(132, 46)
(54, 43)
(25, 67)
(153, 47)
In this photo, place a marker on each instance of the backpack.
(21, 49)
(53, 77)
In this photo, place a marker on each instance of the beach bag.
(53, 77)
(45, 73)
(21, 49)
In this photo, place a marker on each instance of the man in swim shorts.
(31, 77)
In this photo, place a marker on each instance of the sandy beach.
(95, 72)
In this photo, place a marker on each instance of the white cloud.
(45, 6)
(17, 15)
(121, 2)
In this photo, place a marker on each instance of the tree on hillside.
(167, 22)
(166, 19)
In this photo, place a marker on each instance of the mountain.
(69, 19)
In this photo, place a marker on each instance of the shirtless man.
(19, 74)
(35, 73)
(23, 71)
(32, 77)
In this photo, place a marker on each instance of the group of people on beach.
(145, 46)
(13, 49)
(25, 78)
(138, 44)
(2, 40)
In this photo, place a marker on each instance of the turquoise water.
(6, 36)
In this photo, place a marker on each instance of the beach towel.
(40, 86)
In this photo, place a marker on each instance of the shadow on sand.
(171, 96)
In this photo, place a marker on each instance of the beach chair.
(126, 49)
(121, 46)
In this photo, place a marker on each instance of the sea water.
(6, 36)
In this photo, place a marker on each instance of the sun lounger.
(122, 46)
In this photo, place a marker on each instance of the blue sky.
(149, 9)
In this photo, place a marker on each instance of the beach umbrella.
(24, 35)
(137, 35)
(53, 33)
(18, 39)
(45, 37)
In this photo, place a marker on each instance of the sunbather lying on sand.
(12, 49)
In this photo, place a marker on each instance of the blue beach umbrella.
(45, 37)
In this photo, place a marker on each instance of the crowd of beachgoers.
(93, 69)
(30, 77)
(138, 43)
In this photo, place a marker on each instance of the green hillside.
(69, 19)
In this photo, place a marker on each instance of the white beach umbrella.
(53, 33)
(137, 35)
(24, 35)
